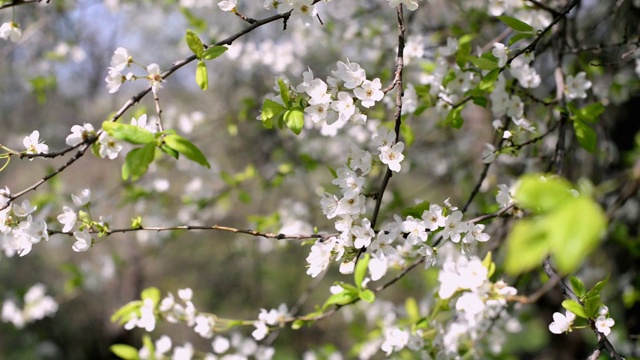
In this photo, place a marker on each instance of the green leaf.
(186, 148)
(520, 36)
(586, 135)
(342, 298)
(480, 101)
(575, 308)
(411, 307)
(407, 134)
(590, 113)
(578, 286)
(483, 63)
(129, 133)
(574, 231)
(271, 109)
(489, 264)
(527, 246)
(294, 119)
(123, 351)
(284, 93)
(214, 51)
(597, 288)
(592, 306)
(147, 343)
(195, 44)
(416, 210)
(516, 24)
(169, 151)
(202, 77)
(123, 314)
(367, 295)
(454, 119)
(151, 293)
(489, 79)
(542, 194)
(298, 324)
(137, 161)
(361, 270)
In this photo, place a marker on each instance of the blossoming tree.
(439, 175)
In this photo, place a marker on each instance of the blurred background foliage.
(270, 180)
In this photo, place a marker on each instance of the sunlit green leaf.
(202, 77)
(540, 193)
(575, 308)
(574, 231)
(294, 119)
(586, 135)
(516, 24)
(527, 246)
(213, 52)
(137, 161)
(130, 133)
(361, 270)
(195, 44)
(123, 351)
(186, 148)
(577, 286)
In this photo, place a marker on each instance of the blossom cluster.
(235, 346)
(80, 223)
(37, 305)
(122, 60)
(182, 309)
(19, 231)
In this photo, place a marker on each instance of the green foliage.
(123, 351)
(488, 80)
(454, 119)
(416, 210)
(202, 77)
(195, 44)
(294, 119)
(516, 24)
(137, 162)
(213, 52)
(130, 133)
(186, 148)
(582, 120)
(566, 226)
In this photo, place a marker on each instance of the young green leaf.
(574, 231)
(129, 133)
(367, 295)
(195, 44)
(520, 36)
(151, 293)
(489, 79)
(575, 308)
(342, 298)
(586, 135)
(483, 63)
(271, 109)
(454, 119)
(284, 93)
(137, 161)
(516, 24)
(202, 77)
(294, 119)
(578, 286)
(527, 245)
(214, 51)
(186, 148)
(123, 351)
(597, 288)
(361, 270)
(538, 193)
(416, 210)
(125, 312)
